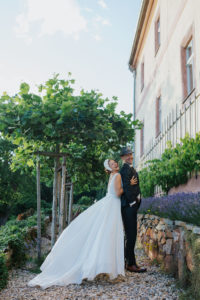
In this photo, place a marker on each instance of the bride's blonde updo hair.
(108, 169)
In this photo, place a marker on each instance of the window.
(158, 116)
(142, 75)
(142, 141)
(188, 68)
(157, 35)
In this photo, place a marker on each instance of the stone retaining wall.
(165, 241)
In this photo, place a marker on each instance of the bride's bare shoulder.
(118, 176)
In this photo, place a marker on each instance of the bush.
(192, 289)
(180, 206)
(173, 167)
(13, 238)
(85, 200)
(3, 271)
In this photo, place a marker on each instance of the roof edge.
(140, 23)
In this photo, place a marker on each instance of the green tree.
(17, 191)
(86, 126)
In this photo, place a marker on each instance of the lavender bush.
(181, 206)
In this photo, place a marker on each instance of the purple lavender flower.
(180, 206)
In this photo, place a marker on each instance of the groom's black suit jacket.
(131, 192)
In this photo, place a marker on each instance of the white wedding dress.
(92, 244)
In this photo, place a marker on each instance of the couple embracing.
(93, 243)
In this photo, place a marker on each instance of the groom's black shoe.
(135, 269)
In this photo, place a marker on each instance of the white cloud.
(102, 21)
(52, 16)
(102, 3)
(106, 22)
(88, 9)
(97, 37)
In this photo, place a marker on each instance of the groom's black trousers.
(129, 216)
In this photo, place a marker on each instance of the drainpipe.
(134, 86)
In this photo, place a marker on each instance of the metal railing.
(175, 126)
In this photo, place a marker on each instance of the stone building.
(165, 62)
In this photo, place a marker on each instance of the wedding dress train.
(92, 244)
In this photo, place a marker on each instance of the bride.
(92, 244)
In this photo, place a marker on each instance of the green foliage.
(3, 271)
(13, 236)
(192, 288)
(147, 183)
(13, 239)
(85, 200)
(18, 187)
(17, 191)
(173, 167)
(37, 264)
(86, 126)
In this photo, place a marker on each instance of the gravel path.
(153, 285)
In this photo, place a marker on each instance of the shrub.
(192, 289)
(173, 167)
(13, 237)
(3, 271)
(85, 200)
(180, 206)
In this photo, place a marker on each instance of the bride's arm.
(118, 185)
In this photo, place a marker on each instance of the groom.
(130, 202)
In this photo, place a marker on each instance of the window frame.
(188, 75)
(158, 116)
(157, 34)
(142, 140)
(142, 76)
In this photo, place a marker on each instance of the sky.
(92, 39)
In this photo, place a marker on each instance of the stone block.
(31, 233)
(167, 248)
(176, 235)
(189, 227)
(146, 216)
(196, 230)
(9, 254)
(168, 264)
(167, 221)
(148, 232)
(160, 235)
(152, 217)
(160, 227)
(153, 250)
(145, 243)
(155, 222)
(25, 214)
(160, 256)
(189, 259)
(181, 257)
(140, 217)
(175, 250)
(169, 234)
(180, 223)
(163, 241)
(153, 235)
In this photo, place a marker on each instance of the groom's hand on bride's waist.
(133, 181)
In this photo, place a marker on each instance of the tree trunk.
(59, 194)
(38, 210)
(70, 204)
(66, 204)
(62, 222)
(54, 206)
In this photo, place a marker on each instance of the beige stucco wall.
(162, 72)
